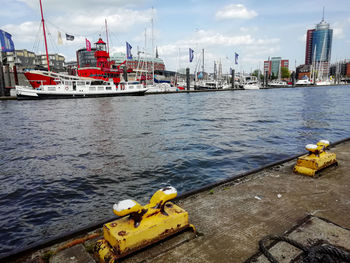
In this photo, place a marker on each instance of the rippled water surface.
(63, 163)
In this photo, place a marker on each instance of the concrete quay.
(233, 216)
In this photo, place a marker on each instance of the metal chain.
(313, 252)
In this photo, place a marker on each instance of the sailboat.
(97, 81)
(202, 83)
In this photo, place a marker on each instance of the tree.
(256, 73)
(273, 76)
(285, 74)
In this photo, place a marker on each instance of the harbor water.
(64, 163)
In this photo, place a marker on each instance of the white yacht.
(250, 82)
(79, 87)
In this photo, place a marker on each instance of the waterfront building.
(303, 71)
(56, 62)
(24, 59)
(274, 65)
(322, 42)
(340, 71)
(21, 58)
(308, 49)
(318, 48)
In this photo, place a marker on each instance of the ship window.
(96, 82)
(92, 88)
(108, 88)
(101, 88)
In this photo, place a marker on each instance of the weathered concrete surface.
(313, 229)
(75, 254)
(232, 218)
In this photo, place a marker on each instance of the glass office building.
(275, 65)
(322, 42)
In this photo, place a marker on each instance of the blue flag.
(191, 51)
(6, 42)
(236, 58)
(128, 51)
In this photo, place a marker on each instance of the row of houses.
(340, 70)
(24, 59)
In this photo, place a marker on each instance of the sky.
(254, 29)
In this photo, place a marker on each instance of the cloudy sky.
(254, 29)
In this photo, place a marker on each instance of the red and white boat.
(99, 81)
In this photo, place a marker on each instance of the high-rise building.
(322, 42)
(308, 49)
(318, 47)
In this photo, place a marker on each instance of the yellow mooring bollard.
(141, 226)
(316, 159)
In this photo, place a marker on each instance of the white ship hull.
(80, 89)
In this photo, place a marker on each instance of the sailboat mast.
(203, 61)
(42, 20)
(107, 36)
(152, 56)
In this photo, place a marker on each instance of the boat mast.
(107, 36)
(203, 62)
(42, 20)
(152, 56)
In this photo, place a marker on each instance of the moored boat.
(251, 85)
(250, 82)
(208, 85)
(277, 83)
(79, 87)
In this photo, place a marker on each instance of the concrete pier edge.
(71, 234)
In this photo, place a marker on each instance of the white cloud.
(302, 38)
(121, 21)
(25, 32)
(210, 38)
(235, 11)
(338, 32)
(117, 49)
(249, 29)
(218, 45)
(81, 6)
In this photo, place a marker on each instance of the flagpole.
(107, 36)
(42, 20)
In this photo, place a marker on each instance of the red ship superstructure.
(103, 70)
(104, 67)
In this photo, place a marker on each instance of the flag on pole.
(6, 42)
(69, 37)
(236, 58)
(191, 51)
(88, 45)
(128, 51)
